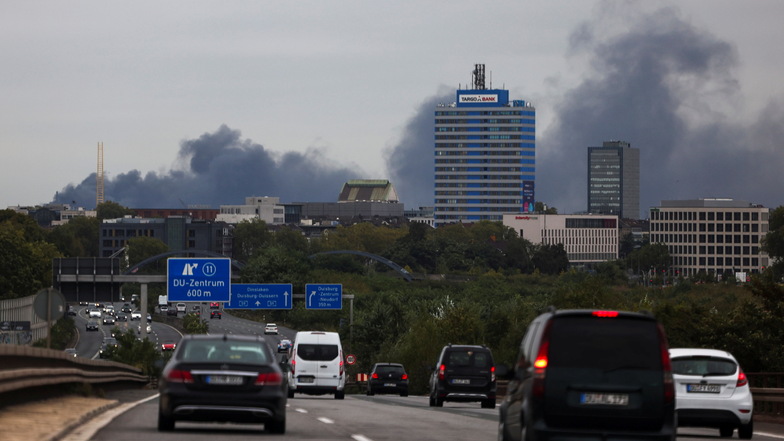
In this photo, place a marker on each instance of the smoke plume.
(221, 168)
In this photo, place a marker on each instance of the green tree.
(25, 267)
(193, 324)
(540, 207)
(773, 243)
(250, 239)
(291, 239)
(277, 265)
(550, 259)
(143, 247)
(77, 238)
(112, 210)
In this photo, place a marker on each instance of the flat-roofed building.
(588, 239)
(712, 235)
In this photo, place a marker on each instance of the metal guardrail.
(23, 367)
(767, 388)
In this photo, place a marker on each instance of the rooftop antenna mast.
(99, 198)
(479, 77)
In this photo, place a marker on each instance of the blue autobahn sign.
(260, 296)
(198, 279)
(323, 296)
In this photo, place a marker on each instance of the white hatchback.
(711, 390)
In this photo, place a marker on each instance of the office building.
(712, 235)
(614, 180)
(587, 238)
(177, 232)
(485, 155)
(266, 208)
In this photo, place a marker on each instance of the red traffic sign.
(351, 359)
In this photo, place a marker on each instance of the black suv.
(464, 373)
(590, 374)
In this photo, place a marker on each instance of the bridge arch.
(399, 269)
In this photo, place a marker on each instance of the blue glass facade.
(486, 143)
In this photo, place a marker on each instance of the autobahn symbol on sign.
(260, 296)
(323, 296)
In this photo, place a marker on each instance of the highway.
(358, 417)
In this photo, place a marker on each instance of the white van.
(316, 364)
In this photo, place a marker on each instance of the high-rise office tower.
(614, 179)
(485, 155)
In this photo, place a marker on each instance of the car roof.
(700, 352)
(388, 364)
(225, 337)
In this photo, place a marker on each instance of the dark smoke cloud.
(221, 168)
(411, 162)
(663, 85)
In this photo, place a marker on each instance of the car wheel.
(745, 431)
(291, 393)
(165, 423)
(370, 392)
(404, 394)
(488, 404)
(277, 426)
(726, 431)
(439, 402)
(339, 395)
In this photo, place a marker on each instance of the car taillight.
(492, 374)
(669, 386)
(269, 379)
(374, 376)
(605, 313)
(742, 379)
(540, 362)
(293, 359)
(442, 372)
(404, 377)
(341, 363)
(179, 376)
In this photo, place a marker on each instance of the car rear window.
(225, 351)
(604, 343)
(389, 369)
(317, 352)
(469, 358)
(703, 366)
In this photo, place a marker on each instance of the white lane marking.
(325, 420)
(301, 410)
(86, 431)
(360, 438)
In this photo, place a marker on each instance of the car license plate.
(602, 398)
(225, 380)
(390, 384)
(306, 379)
(704, 388)
(461, 381)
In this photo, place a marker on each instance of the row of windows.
(470, 202)
(485, 161)
(481, 153)
(705, 238)
(478, 193)
(708, 227)
(591, 257)
(479, 169)
(707, 215)
(478, 185)
(499, 209)
(479, 137)
(486, 121)
(463, 129)
(482, 177)
(128, 232)
(486, 145)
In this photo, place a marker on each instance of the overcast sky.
(205, 103)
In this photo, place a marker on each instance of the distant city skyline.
(205, 104)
